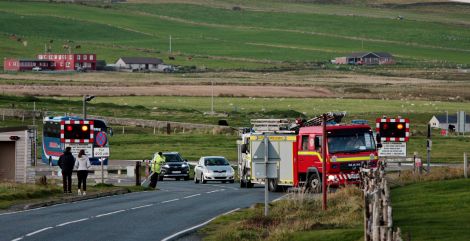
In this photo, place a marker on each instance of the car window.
(216, 162)
(172, 158)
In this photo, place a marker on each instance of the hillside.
(257, 35)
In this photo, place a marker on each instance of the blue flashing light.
(360, 122)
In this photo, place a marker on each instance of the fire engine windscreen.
(77, 131)
(350, 141)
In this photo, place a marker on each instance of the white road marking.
(75, 221)
(143, 206)
(192, 196)
(17, 239)
(280, 198)
(172, 200)
(22, 211)
(38, 231)
(218, 190)
(106, 214)
(197, 226)
(233, 188)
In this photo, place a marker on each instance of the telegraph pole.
(428, 147)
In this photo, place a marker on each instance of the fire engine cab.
(297, 151)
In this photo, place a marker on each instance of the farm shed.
(139, 63)
(366, 58)
(17, 152)
(443, 122)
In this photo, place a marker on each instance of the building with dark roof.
(366, 58)
(138, 63)
(444, 121)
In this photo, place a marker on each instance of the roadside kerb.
(67, 200)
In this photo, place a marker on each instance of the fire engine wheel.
(242, 183)
(272, 185)
(314, 183)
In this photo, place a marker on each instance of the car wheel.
(177, 179)
(186, 178)
(231, 181)
(202, 179)
(195, 179)
(224, 181)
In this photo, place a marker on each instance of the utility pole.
(428, 147)
(86, 98)
(324, 150)
(170, 44)
(212, 97)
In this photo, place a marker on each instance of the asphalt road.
(153, 215)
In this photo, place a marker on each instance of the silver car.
(213, 168)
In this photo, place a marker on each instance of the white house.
(449, 122)
(139, 63)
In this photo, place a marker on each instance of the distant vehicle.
(175, 167)
(37, 68)
(213, 168)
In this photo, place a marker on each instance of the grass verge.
(16, 194)
(298, 218)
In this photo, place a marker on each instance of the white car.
(213, 168)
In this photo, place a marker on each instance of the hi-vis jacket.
(157, 163)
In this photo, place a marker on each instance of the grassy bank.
(12, 194)
(301, 218)
(141, 143)
(437, 210)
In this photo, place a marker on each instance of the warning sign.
(393, 149)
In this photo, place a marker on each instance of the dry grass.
(298, 214)
(436, 174)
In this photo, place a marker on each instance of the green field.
(141, 143)
(433, 210)
(281, 35)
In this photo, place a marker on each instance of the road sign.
(393, 149)
(101, 139)
(76, 147)
(101, 152)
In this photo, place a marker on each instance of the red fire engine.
(297, 150)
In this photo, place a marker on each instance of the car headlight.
(185, 165)
(166, 166)
(207, 171)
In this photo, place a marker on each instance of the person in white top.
(82, 164)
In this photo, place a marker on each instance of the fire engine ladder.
(317, 120)
(263, 125)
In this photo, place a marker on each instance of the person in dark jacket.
(66, 163)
